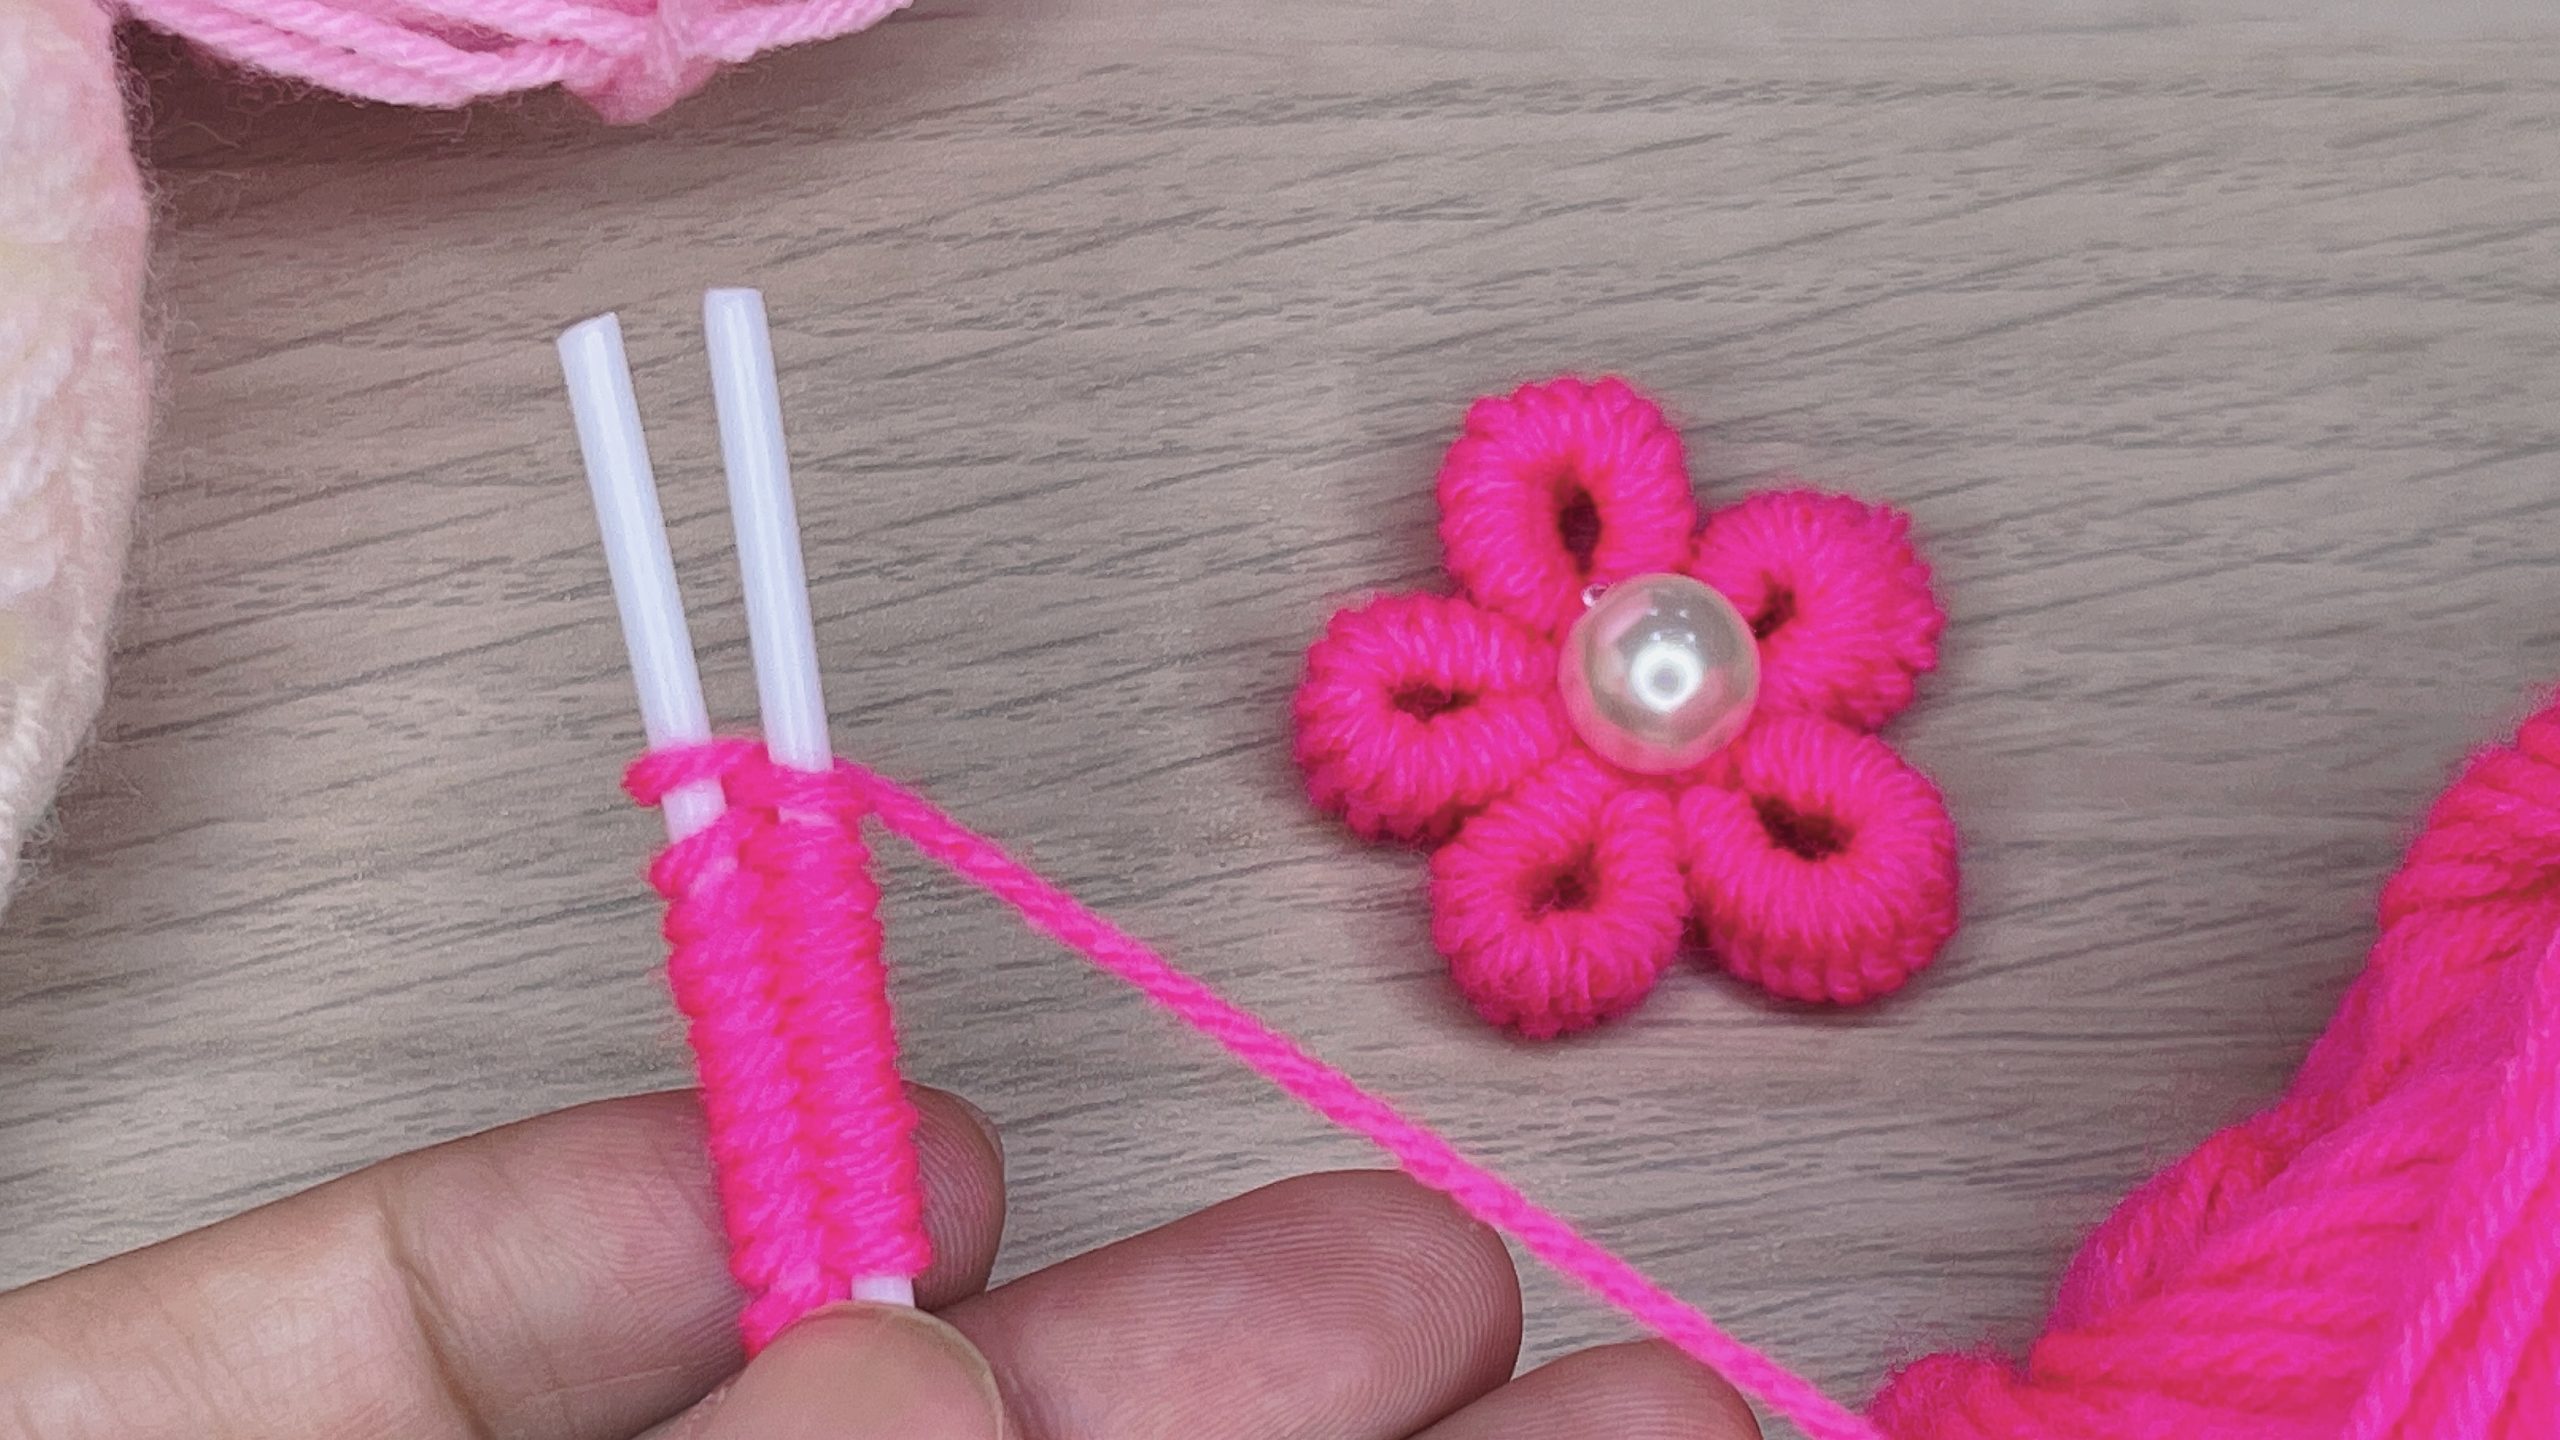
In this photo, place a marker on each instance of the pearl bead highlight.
(1659, 673)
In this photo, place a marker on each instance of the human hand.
(562, 1279)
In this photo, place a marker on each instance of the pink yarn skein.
(630, 59)
(1813, 861)
(2378, 1253)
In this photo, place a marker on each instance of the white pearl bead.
(1659, 673)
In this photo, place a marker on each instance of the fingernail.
(986, 1126)
(864, 1372)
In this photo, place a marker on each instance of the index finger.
(562, 1277)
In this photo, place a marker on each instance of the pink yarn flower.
(1811, 859)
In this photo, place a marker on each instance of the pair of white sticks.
(792, 704)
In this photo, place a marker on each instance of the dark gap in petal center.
(1577, 523)
(1775, 611)
(1425, 701)
(1807, 835)
(1570, 888)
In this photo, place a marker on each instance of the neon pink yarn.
(2377, 1255)
(774, 956)
(630, 59)
(1813, 860)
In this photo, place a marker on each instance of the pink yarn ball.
(75, 388)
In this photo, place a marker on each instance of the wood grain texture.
(2212, 349)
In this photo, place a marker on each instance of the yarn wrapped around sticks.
(74, 396)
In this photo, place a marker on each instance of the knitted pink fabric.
(2376, 1255)
(1813, 860)
(630, 59)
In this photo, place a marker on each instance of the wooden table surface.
(2214, 351)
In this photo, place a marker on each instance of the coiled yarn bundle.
(2374, 1257)
(774, 956)
(630, 59)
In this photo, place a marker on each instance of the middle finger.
(1351, 1306)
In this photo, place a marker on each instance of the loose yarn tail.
(1426, 1156)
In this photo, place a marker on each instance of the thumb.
(861, 1372)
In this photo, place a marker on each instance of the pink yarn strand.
(1329, 1093)
(600, 28)
(741, 34)
(517, 66)
(262, 46)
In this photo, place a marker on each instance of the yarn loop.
(1573, 876)
(1821, 865)
(1417, 709)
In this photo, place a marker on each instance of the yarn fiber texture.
(1808, 856)
(773, 952)
(74, 388)
(630, 59)
(2375, 1255)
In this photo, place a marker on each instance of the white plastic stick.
(777, 589)
(635, 552)
(779, 634)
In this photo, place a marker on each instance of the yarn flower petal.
(1838, 598)
(1822, 866)
(1417, 709)
(1556, 487)
(1560, 903)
